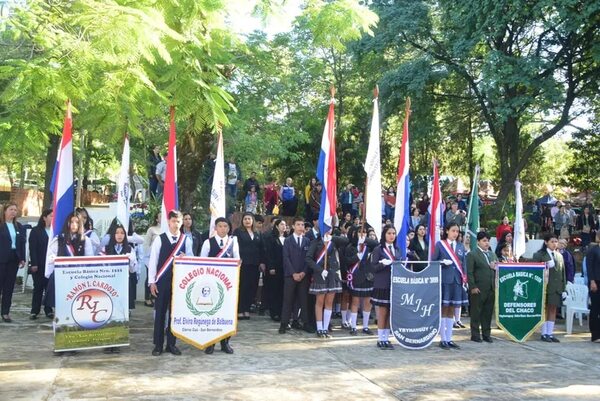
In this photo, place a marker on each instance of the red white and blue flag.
(402, 213)
(124, 189)
(435, 211)
(170, 193)
(326, 173)
(63, 194)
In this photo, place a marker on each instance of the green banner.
(520, 298)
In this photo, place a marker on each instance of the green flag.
(473, 215)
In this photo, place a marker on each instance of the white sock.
(457, 314)
(550, 328)
(326, 318)
(449, 324)
(319, 325)
(386, 334)
(338, 307)
(366, 319)
(444, 329)
(380, 334)
(544, 328)
(353, 317)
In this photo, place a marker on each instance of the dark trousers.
(50, 290)
(153, 184)
(162, 306)
(273, 289)
(595, 315)
(482, 307)
(147, 294)
(40, 282)
(294, 291)
(132, 289)
(289, 207)
(8, 277)
(249, 275)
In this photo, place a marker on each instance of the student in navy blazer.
(295, 279)
(12, 255)
(452, 256)
(38, 246)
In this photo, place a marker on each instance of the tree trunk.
(53, 143)
(193, 151)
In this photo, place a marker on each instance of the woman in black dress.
(252, 254)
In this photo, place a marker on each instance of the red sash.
(361, 253)
(225, 248)
(388, 253)
(169, 261)
(323, 252)
(454, 259)
(70, 249)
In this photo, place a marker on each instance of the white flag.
(373, 170)
(124, 192)
(519, 227)
(217, 195)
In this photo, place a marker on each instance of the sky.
(281, 21)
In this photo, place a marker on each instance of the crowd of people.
(308, 277)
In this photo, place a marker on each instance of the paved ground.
(295, 366)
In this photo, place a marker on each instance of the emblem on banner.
(202, 300)
(92, 309)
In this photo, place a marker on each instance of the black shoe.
(156, 351)
(488, 339)
(149, 305)
(460, 325)
(444, 345)
(282, 329)
(477, 339)
(353, 332)
(50, 315)
(553, 339)
(452, 344)
(346, 326)
(173, 350)
(225, 347)
(209, 350)
(296, 325)
(307, 328)
(320, 334)
(367, 331)
(33, 316)
(6, 319)
(545, 338)
(380, 345)
(326, 334)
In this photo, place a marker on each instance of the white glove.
(386, 262)
(327, 237)
(550, 264)
(361, 239)
(564, 295)
(446, 262)
(324, 274)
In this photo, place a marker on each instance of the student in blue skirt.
(452, 255)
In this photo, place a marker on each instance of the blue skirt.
(454, 295)
(380, 297)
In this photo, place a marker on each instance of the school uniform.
(482, 276)
(380, 296)
(315, 260)
(163, 247)
(294, 261)
(360, 271)
(38, 246)
(252, 253)
(274, 282)
(129, 250)
(12, 252)
(454, 276)
(420, 252)
(63, 247)
(556, 275)
(95, 241)
(220, 247)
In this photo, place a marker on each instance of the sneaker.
(367, 331)
(353, 332)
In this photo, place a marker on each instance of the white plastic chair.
(576, 303)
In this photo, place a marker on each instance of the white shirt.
(235, 249)
(296, 238)
(161, 170)
(155, 251)
(52, 252)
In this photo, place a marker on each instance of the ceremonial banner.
(415, 305)
(205, 299)
(520, 298)
(92, 302)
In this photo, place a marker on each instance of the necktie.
(299, 241)
(391, 247)
(221, 244)
(453, 244)
(118, 248)
(174, 238)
